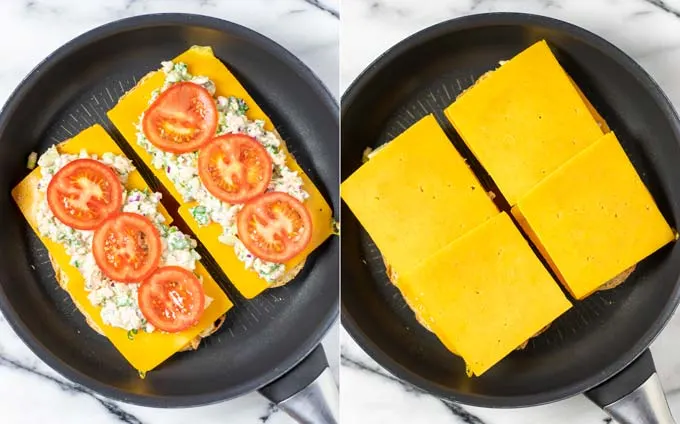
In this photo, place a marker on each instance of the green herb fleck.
(32, 160)
(178, 241)
(242, 106)
(335, 225)
(131, 334)
(200, 214)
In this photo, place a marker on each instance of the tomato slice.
(172, 299)
(274, 227)
(84, 193)
(235, 168)
(127, 247)
(181, 119)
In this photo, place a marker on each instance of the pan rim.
(422, 37)
(27, 84)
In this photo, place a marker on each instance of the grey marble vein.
(271, 410)
(461, 413)
(320, 6)
(380, 9)
(111, 407)
(661, 4)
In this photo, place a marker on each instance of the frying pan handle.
(308, 392)
(634, 395)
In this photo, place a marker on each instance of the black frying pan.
(263, 338)
(601, 336)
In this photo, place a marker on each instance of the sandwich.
(593, 219)
(525, 119)
(484, 294)
(219, 156)
(136, 279)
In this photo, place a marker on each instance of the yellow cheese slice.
(147, 350)
(524, 120)
(125, 116)
(416, 195)
(593, 218)
(484, 294)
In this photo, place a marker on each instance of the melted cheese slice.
(484, 294)
(147, 350)
(593, 218)
(524, 120)
(125, 116)
(416, 195)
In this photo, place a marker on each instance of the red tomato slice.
(274, 227)
(181, 119)
(172, 299)
(127, 247)
(235, 168)
(84, 193)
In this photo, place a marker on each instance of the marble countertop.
(647, 30)
(31, 392)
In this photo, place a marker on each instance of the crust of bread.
(62, 279)
(618, 280)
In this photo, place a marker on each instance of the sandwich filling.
(182, 169)
(118, 301)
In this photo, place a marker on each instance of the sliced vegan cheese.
(146, 350)
(593, 218)
(125, 116)
(484, 294)
(524, 120)
(416, 195)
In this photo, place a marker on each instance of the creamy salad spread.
(118, 301)
(182, 169)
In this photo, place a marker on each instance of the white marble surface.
(30, 392)
(649, 31)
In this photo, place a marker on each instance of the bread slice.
(125, 116)
(147, 350)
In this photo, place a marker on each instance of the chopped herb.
(242, 106)
(131, 335)
(142, 374)
(32, 160)
(200, 214)
(335, 225)
(178, 241)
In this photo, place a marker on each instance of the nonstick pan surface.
(72, 89)
(599, 336)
